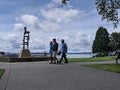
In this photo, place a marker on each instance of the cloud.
(50, 5)
(56, 1)
(49, 26)
(10, 43)
(38, 45)
(60, 15)
(30, 20)
(60, 2)
(18, 26)
(54, 20)
(80, 42)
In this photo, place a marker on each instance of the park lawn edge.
(106, 67)
(91, 59)
(1, 72)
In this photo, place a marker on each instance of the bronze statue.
(26, 39)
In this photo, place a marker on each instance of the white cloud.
(18, 26)
(10, 43)
(38, 45)
(51, 5)
(80, 42)
(57, 1)
(59, 15)
(30, 20)
(52, 19)
(49, 26)
(74, 25)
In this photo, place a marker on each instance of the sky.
(76, 23)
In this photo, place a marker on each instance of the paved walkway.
(44, 76)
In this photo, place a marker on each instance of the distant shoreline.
(82, 53)
(67, 53)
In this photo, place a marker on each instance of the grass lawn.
(108, 58)
(106, 67)
(1, 72)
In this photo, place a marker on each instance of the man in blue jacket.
(63, 51)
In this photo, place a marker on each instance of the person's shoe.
(54, 63)
(50, 63)
(57, 62)
(66, 62)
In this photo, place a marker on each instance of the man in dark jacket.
(55, 50)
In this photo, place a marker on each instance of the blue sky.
(76, 22)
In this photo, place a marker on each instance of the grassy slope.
(91, 59)
(107, 67)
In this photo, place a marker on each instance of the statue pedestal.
(25, 54)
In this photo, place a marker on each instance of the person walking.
(51, 52)
(63, 51)
(55, 50)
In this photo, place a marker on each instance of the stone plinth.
(25, 54)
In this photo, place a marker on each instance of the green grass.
(106, 67)
(1, 72)
(109, 58)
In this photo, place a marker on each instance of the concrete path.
(45, 76)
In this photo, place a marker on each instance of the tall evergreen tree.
(100, 44)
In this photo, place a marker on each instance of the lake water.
(78, 55)
(69, 55)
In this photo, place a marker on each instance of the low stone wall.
(4, 59)
(31, 59)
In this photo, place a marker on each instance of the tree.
(64, 1)
(115, 41)
(100, 44)
(109, 10)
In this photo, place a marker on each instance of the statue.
(25, 53)
(26, 38)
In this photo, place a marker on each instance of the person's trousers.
(64, 56)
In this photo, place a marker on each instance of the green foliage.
(64, 1)
(95, 59)
(1, 72)
(109, 10)
(115, 41)
(107, 67)
(100, 44)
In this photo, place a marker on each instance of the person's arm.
(66, 47)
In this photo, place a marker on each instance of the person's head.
(62, 41)
(51, 43)
(54, 40)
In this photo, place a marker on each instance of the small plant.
(1, 72)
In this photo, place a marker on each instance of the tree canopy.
(64, 1)
(100, 44)
(108, 9)
(115, 41)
